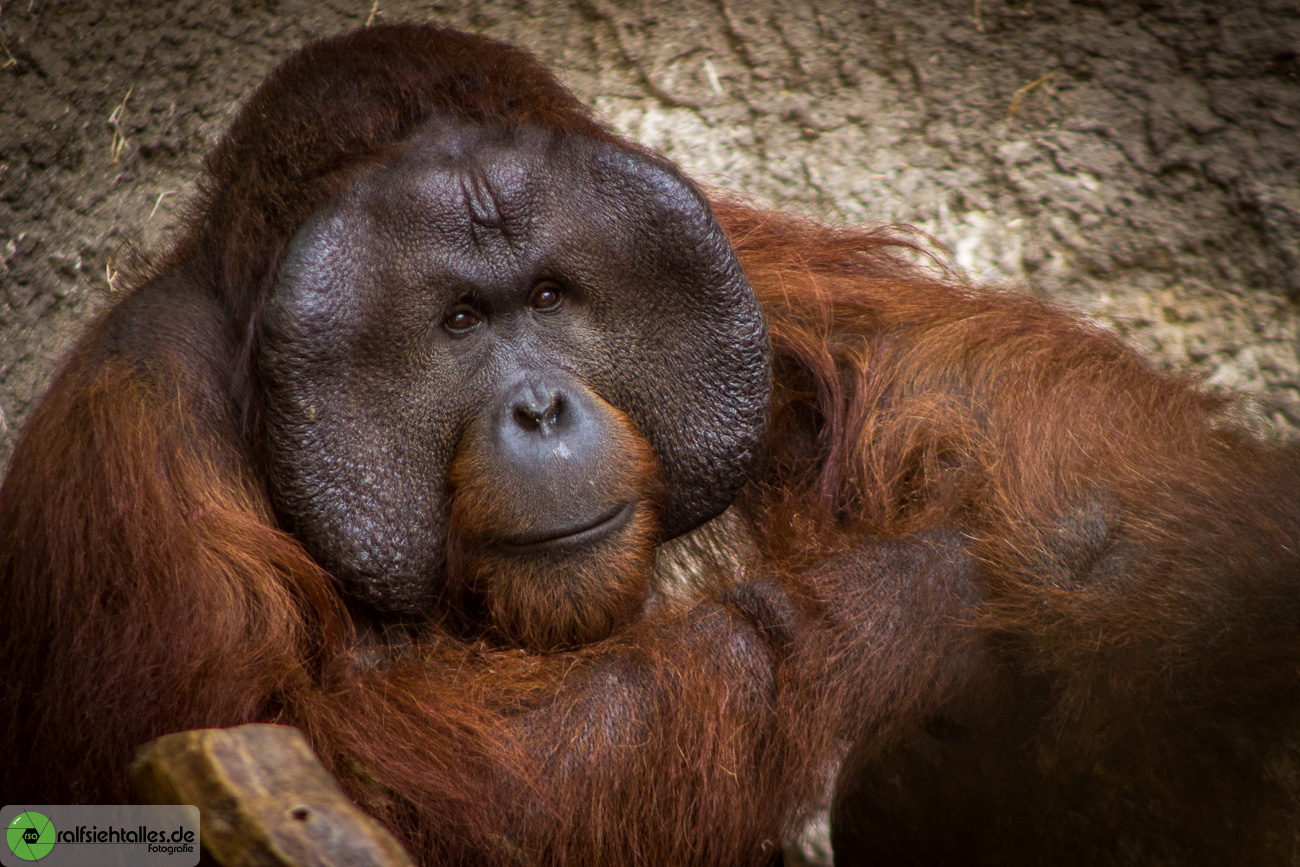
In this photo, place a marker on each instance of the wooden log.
(264, 799)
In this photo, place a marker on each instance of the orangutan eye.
(546, 297)
(461, 320)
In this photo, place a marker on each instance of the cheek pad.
(687, 352)
(359, 454)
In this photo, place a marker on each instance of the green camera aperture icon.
(30, 836)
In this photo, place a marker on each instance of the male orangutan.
(387, 446)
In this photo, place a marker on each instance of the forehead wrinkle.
(482, 207)
(477, 202)
(468, 217)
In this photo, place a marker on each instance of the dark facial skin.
(520, 349)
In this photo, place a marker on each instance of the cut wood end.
(264, 799)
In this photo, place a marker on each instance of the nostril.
(553, 412)
(533, 415)
(526, 418)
